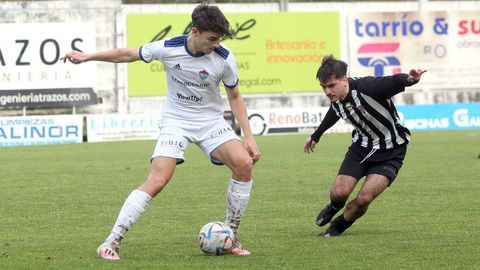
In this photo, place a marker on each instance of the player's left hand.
(252, 148)
(415, 74)
(309, 145)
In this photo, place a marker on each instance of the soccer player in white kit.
(195, 64)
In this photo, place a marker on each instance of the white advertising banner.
(447, 44)
(291, 120)
(121, 127)
(30, 64)
(31, 130)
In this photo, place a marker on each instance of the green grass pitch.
(59, 202)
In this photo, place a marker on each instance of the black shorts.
(383, 161)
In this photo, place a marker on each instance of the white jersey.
(192, 79)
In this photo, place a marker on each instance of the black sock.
(337, 205)
(340, 224)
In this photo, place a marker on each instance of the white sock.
(238, 195)
(134, 206)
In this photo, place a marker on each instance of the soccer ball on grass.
(216, 238)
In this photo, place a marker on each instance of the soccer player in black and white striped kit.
(379, 141)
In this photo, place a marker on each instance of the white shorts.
(175, 136)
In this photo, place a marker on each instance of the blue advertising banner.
(441, 116)
(31, 130)
(414, 117)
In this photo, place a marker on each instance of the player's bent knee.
(244, 165)
(242, 169)
(364, 199)
(340, 194)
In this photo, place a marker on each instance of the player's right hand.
(74, 57)
(309, 145)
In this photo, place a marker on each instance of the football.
(215, 238)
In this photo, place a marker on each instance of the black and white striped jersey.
(369, 109)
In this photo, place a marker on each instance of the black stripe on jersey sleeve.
(176, 41)
(222, 52)
(231, 86)
(140, 54)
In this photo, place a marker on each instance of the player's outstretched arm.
(122, 55)
(238, 108)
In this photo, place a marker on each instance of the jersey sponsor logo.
(204, 85)
(374, 57)
(203, 74)
(192, 98)
(177, 67)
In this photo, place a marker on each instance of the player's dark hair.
(331, 66)
(210, 18)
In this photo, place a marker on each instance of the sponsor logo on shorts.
(171, 143)
(220, 132)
